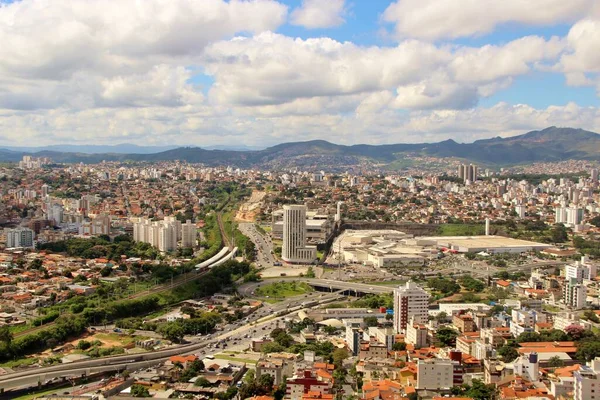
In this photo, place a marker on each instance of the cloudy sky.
(261, 72)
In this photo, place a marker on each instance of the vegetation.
(478, 390)
(281, 290)
(460, 229)
(91, 311)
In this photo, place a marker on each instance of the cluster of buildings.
(166, 234)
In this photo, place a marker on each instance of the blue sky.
(262, 72)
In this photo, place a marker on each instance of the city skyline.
(258, 73)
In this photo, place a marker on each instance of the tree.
(508, 353)
(441, 317)
(575, 332)
(555, 362)
(559, 234)
(595, 221)
(172, 331)
(202, 382)
(591, 315)
(371, 321)
(399, 346)
(310, 273)
(139, 391)
(588, 350)
(6, 335)
(339, 355)
(447, 336)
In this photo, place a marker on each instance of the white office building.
(410, 301)
(19, 237)
(294, 249)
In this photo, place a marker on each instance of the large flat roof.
(483, 242)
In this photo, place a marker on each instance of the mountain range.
(550, 144)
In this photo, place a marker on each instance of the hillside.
(550, 144)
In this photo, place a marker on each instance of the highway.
(235, 334)
(263, 244)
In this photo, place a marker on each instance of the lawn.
(461, 229)
(282, 290)
(21, 362)
(232, 358)
(41, 393)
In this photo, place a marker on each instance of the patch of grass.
(42, 393)
(282, 290)
(550, 308)
(461, 229)
(231, 358)
(21, 362)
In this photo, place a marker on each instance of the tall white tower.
(294, 248)
(410, 301)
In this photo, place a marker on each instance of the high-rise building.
(520, 209)
(594, 175)
(167, 237)
(163, 235)
(410, 301)
(188, 234)
(574, 215)
(294, 249)
(468, 173)
(581, 270)
(574, 294)
(19, 237)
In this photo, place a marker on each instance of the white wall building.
(294, 249)
(189, 234)
(410, 301)
(19, 237)
(587, 381)
(435, 374)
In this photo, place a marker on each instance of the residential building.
(574, 294)
(435, 374)
(189, 234)
(416, 334)
(19, 237)
(410, 301)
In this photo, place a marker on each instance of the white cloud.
(313, 14)
(369, 123)
(53, 39)
(271, 69)
(449, 19)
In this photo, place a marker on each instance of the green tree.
(339, 355)
(371, 321)
(555, 362)
(508, 353)
(447, 336)
(172, 331)
(202, 382)
(139, 391)
(399, 346)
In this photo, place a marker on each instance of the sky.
(263, 72)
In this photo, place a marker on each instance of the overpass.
(322, 285)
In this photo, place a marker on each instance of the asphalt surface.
(263, 244)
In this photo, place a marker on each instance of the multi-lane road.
(263, 243)
(234, 336)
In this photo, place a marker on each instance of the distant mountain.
(550, 144)
(125, 148)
